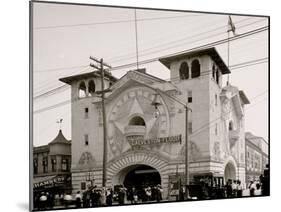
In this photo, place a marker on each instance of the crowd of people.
(205, 189)
(120, 195)
(254, 188)
(233, 188)
(147, 193)
(96, 197)
(47, 200)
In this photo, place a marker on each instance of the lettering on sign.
(136, 140)
(51, 182)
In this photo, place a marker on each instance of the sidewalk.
(246, 193)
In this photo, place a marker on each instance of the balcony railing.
(134, 133)
(137, 130)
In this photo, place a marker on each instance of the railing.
(135, 130)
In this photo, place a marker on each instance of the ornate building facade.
(256, 157)
(146, 144)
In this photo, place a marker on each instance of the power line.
(200, 129)
(222, 41)
(42, 88)
(209, 124)
(137, 42)
(249, 33)
(52, 107)
(212, 123)
(69, 101)
(60, 88)
(111, 22)
(144, 50)
(233, 67)
(123, 57)
(245, 64)
(59, 69)
(175, 41)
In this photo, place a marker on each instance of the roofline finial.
(60, 123)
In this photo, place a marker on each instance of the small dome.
(60, 139)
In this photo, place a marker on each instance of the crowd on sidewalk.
(235, 189)
(96, 197)
(120, 195)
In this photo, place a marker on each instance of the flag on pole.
(231, 26)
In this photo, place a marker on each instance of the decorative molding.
(216, 151)
(136, 158)
(194, 152)
(86, 159)
(135, 102)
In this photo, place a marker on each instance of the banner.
(136, 140)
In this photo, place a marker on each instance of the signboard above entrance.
(136, 140)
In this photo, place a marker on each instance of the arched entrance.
(121, 167)
(140, 176)
(229, 172)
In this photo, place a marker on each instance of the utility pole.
(186, 152)
(102, 92)
(231, 28)
(187, 109)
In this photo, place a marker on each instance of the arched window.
(82, 90)
(195, 68)
(217, 76)
(184, 71)
(137, 121)
(230, 126)
(91, 87)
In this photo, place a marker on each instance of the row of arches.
(86, 89)
(184, 71)
(195, 70)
